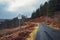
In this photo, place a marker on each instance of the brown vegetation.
(23, 34)
(51, 22)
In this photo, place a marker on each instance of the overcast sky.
(11, 8)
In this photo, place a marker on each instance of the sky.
(12, 8)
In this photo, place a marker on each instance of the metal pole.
(47, 11)
(19, 25)
(19, 21)
(47, 15)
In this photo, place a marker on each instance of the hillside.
(51, 21)
(27, 29)
(21, 34)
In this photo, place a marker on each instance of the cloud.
(11, 8)
(14, 4)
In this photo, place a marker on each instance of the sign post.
(19, 17)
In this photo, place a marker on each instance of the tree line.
(48, 8)
(11, 23)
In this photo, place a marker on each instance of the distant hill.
(2, 20)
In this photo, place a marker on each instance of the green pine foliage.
(47, 9)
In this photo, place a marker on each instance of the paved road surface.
(46, 33)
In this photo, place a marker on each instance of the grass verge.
(33, 34)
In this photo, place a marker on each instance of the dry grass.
(23, 34)
(33, 34)
(50, 23)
